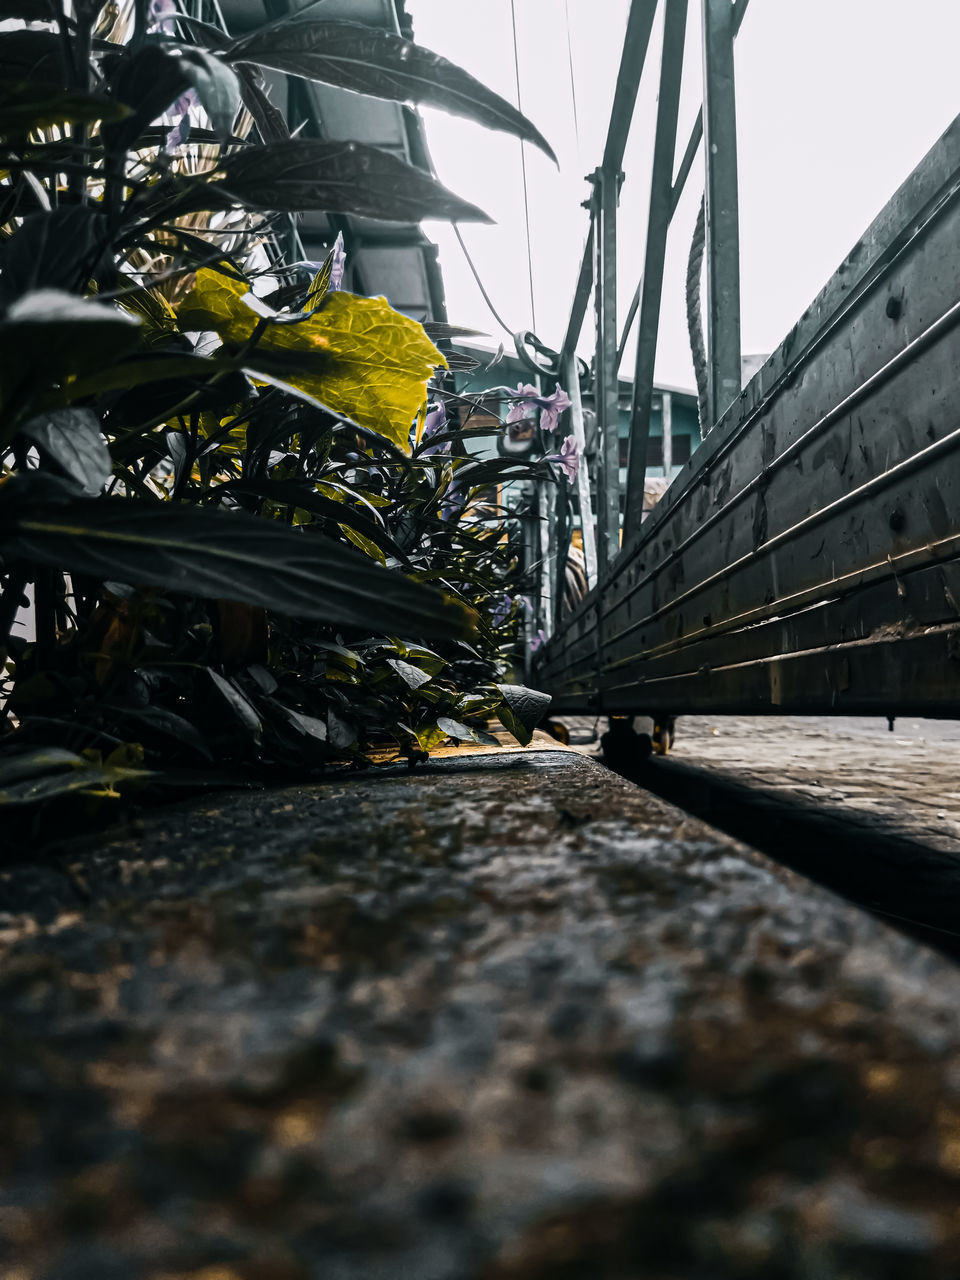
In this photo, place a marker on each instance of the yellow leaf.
(429, 736)
(356, 355)
(158, 317)
(365, 544)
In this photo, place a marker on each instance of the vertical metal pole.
(666, 416)
(723, 221)
(587, 531)
(529, 533)
(547, 511)
(607, 397)
(658, 224)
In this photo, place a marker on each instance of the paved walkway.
(905, 782)
(508, 1018)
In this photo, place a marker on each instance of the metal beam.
(587, 530)
(547, 524)
(658, 223)
(635, 44)
(607, 390)
(581, 297)
(683, 172)
(723, 222)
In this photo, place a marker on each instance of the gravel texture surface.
(510, 1017)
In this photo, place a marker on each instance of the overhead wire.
(523, 165)
(483, 293)
(573, 85)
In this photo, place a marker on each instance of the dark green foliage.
(218, 567)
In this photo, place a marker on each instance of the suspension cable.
(698, 348)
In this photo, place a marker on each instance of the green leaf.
(55, 249)
(308, 726)
(454, 729)
(411, 675)
(355, 355)
(37, 763)
(147, 80)
(225, 556)
(240, 708)
(216, 84)
(47, 334)
(382, 65)
(291, 493)
(366, 545)
(29, 57)
(72, 438)
(522, 710)
(335, 177)
(31, 109)
(170, 729)
(196, 372)
(83, 779)
(27, 10)
(340, 733)
(269, 121)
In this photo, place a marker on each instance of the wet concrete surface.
(874, 814)
(905, 782)
(509, 1018)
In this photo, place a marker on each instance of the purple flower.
(337, 265)
(180, 132)
(162, 13)
(568, 459)
(552, 407)
(539, 639)
(502, 612)
(526, 398)
(433, 424)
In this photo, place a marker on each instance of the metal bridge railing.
(601, 526)
(807, 558)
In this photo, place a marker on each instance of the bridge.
(805, 559)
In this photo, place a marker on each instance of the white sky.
(837, 101)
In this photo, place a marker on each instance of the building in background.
(391, 258)
(674, 421)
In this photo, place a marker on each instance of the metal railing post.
(547, 516)
(658, 224)
(722, 220)
(587, 530)
(607, 393)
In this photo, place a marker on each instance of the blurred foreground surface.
(507, 1017)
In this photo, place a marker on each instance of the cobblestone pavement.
(507, 1018)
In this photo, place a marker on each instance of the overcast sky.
(837, 101)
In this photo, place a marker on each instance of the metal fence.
(807, 558)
